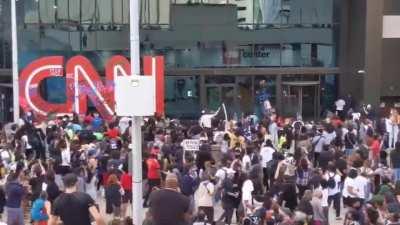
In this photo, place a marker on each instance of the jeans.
(396, 174)
(336, 203)
(227, 215)
(348, 151)
(15, 216)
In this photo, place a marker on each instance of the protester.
(204, 198)
(74, 208)
(41, 209)
(113, 196)
(299, 169)
(168, 205)
(14, 194)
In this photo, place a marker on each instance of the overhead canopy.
(301, 83)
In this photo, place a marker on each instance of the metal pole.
(136, 120)
(137, 170)
(14, 43)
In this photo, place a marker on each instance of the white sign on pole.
(191, 145)
(135, 95)
(391, 26)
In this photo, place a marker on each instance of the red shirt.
(112, 133)
(126, 181)
(153, 168)
(88, 119)
(375, 148)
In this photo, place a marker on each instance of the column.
(373, 52)
(278, 93)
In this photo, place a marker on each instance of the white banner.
(191, 145)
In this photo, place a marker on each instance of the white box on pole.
(135, 95)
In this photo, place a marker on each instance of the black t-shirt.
(73, 208)
(395, 158)
(36, 184)
(161, 210)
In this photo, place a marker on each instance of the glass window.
(182, 98)
(220, 80)
(245, 94)
(47, 11)
(31, 11)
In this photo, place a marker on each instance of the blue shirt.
(97, 122)
(14, 192)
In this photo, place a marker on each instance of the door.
(301, 99)
(216, 95)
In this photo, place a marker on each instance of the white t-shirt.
(267, 105)
(25, 140)
(197, 223)
(221, 174)
(329, 137)
(336, 177)
(340, 104)
(266, 155)
(66, 157)
(318, 141)
(247, 189)
(349, 182)
(246, 161)
(361, 184)
(324, 200)
(204, 194)
(224, 146)
(205, 120)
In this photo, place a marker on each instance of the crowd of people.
(76, 169)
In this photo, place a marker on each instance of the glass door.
(301, 99)
(213, 98)
(228, 98)
(216, 95)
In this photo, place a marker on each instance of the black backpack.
(271, 167)
(34, 140)
(331, 182)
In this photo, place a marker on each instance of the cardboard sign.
(191, 145)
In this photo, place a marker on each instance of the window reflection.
(182, 96)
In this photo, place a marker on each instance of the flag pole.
(137, 198)
(15, 75)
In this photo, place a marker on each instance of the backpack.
(34, 140)
(255, 159)
(331, 182)
(271, 167)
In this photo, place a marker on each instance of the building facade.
(302, 54)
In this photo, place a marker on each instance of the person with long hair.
(63, 159)
(113, 194)
(91, 178)
(303, 176)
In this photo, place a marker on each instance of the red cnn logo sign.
(83, 82)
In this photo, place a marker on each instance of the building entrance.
(222, 93)
(301, 99)
(244, 95)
